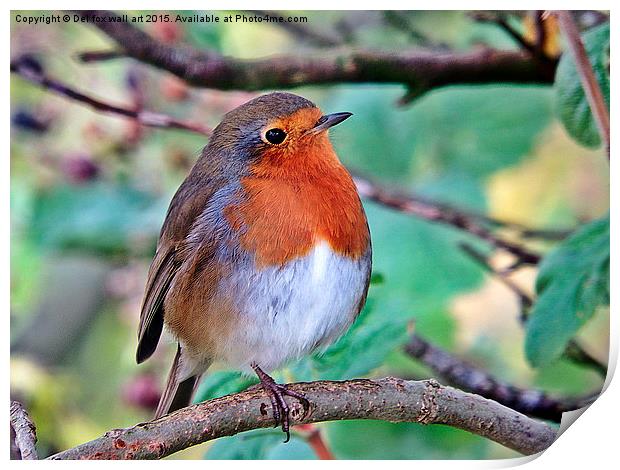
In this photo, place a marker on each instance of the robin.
(264, 255)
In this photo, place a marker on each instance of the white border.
(591, 443)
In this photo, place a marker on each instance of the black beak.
(329, 120)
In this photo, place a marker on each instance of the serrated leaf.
(572, 282)
(572, 104)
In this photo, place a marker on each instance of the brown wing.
(160, 276)
(186, 205)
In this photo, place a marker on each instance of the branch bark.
(390, 399)
(25, 432)
(419, 71)
(468, 377)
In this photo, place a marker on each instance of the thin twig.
(301, 30)
(409, 204)
(99, 56)
(462, 374)
(541, 32)
(25, 432)
(500, 20)
(586, 74)
(34, 75)
(399, 20)
(538, 53)
(441, 214)
(573, 352)
(315, 439)
(418, 70)
(388, 399)
(525, 300)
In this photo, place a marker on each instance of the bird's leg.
(276, 393)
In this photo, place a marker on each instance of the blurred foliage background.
(89, 193)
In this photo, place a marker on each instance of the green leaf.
(572, 104)
(410, 145)
(263, 444)
(362, 439)
(376, 278)
(572, 282)
(223, 382)
(253, 445)
(295, 449)
(96, 217)
(363, 348)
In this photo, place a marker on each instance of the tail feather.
(177, 394)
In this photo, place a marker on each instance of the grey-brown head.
(279, 119)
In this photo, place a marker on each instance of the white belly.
(289, 311)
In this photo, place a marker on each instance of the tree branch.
(500, 20)
(573, 352)
(315, 439)
(586, 74)
(442, 214)
(389, 399)
(525, 300)
(466, 376)
(419, 71)
(32, 71)
(302, 31)
(99, 56)
(25, 432)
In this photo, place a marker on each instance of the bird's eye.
(275, 136)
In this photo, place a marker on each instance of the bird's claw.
(281, 410)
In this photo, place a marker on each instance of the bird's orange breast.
(293, 201)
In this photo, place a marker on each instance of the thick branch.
(466, 376)
(25, 432)
(389, 399)
(419, 71)
(32, 72)
(586, 74)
